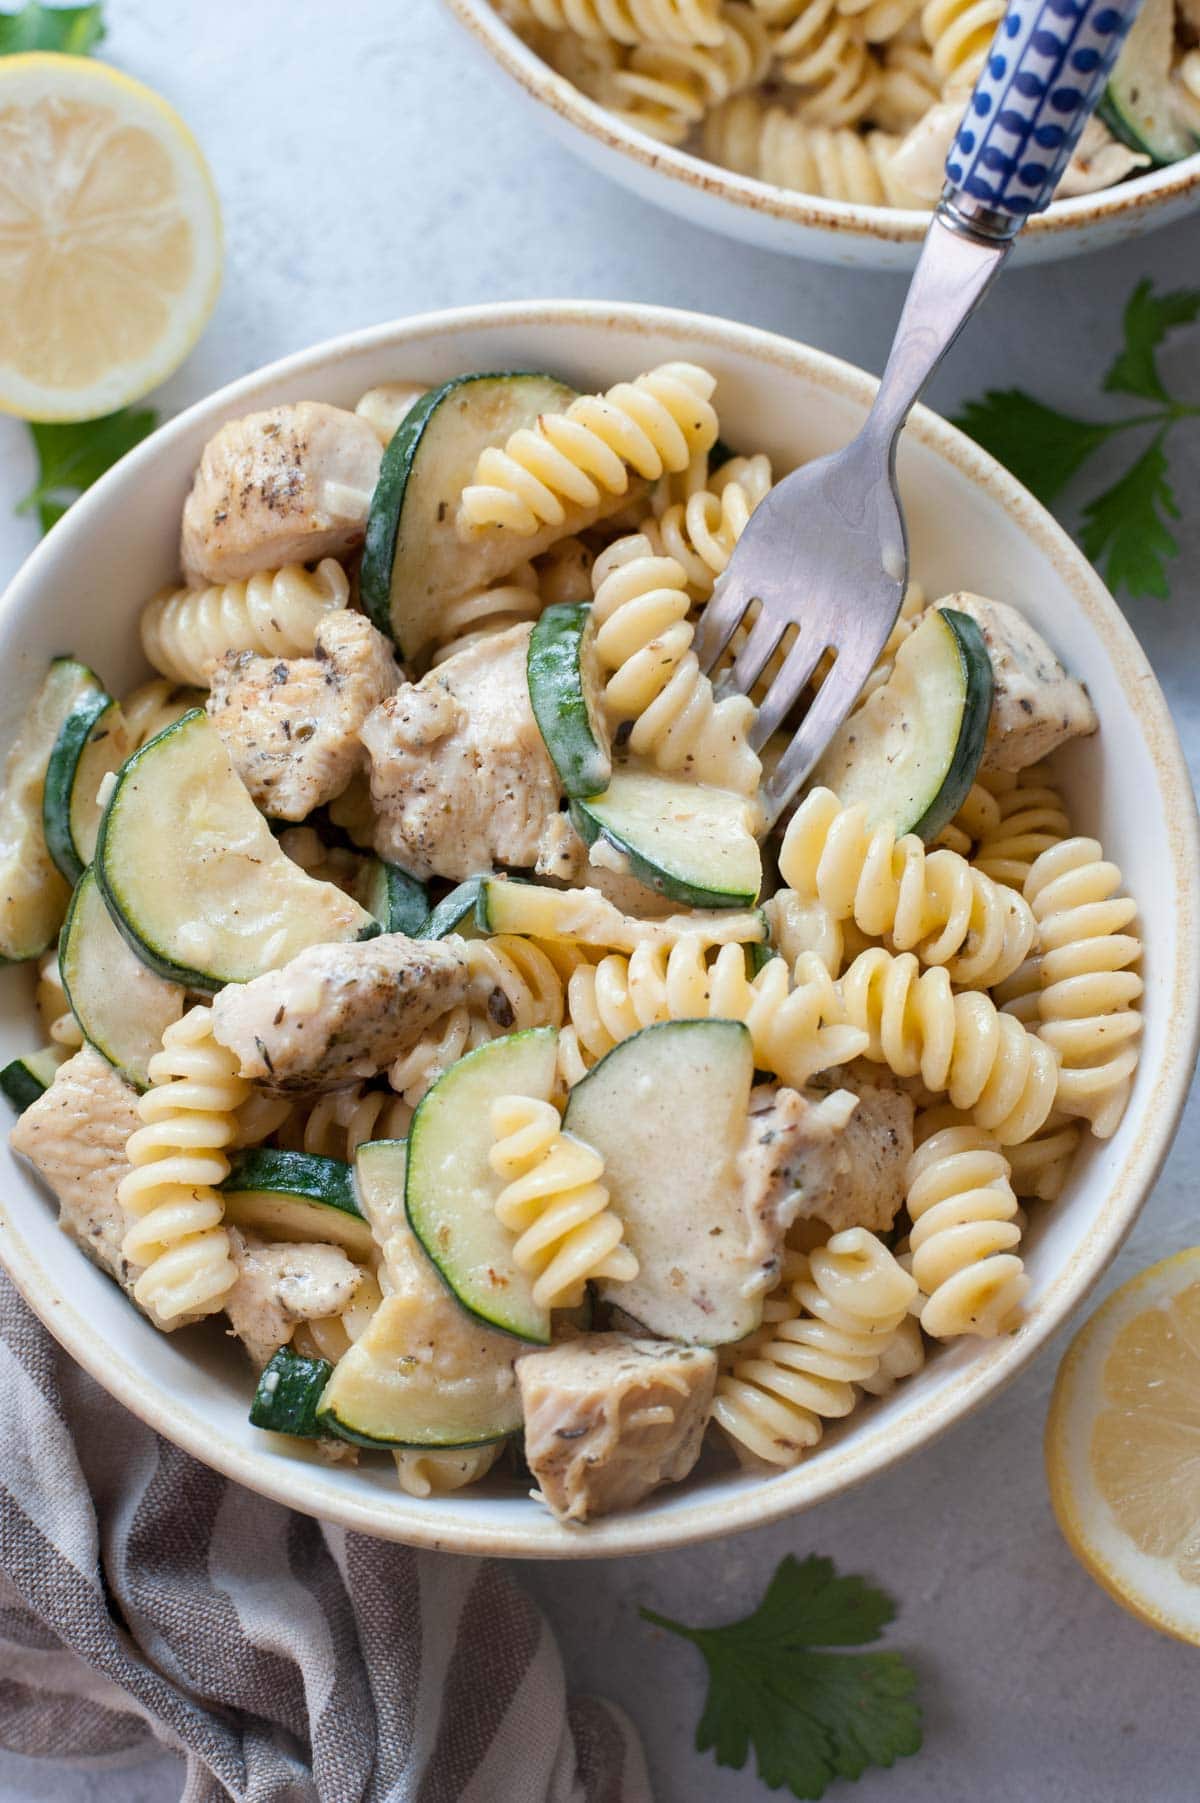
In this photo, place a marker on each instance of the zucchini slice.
(398, 901)
(414, 560)
(424, 1373)
(296, 1196)
(564, 692)
(1138, 104)
(686, 840)
(667, 1111)
(93, 741)
(25, 1079)
(122, 1006)
(911, 752)
(455, 913)
(289, 1391)
(33, 893)
(451, 1189)
(585, 917)
(193, 877)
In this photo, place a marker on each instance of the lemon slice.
(110, 238)
(1123, 1446)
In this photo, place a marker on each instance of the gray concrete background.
(370, 167)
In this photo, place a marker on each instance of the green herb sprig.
(1123, 530)
(811, 1716)
(70, 30)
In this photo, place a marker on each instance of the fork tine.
(788, 686)
(718, 623)
(835, 698)
(754, 655)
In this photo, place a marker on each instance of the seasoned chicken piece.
(836, 1156)
(290, 485)
(74, 1136)
(459, 774)
(339, 1013)
(1037, 706)
(608, 1419)
(279, 1284)
(291, 724)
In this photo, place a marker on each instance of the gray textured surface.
(369, 168)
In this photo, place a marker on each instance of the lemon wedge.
(110, 238)
(1123, 1446)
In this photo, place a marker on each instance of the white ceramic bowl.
(971, 526)
(801, 225)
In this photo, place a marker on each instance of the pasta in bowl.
(437, 1188)
(821, 128)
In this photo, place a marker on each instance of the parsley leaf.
(72, 456)
(810, 1716)
(1042, 448)
(1148, 319)
(1124, 525)
(72, 30)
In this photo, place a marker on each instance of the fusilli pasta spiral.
(154, 706)
(932, 902)
(178, 1159)
(797, 1027)
(964, 1229)
(1087, 989)
(1030, 819)
(903, 1356)
(1040, 1165)
(627, 21)
(555, 1203)
(826, 56)
(958, 1044)
(331, 1336)
(771, 144)
(657, 422)
(644, 638)
(701, 532)
(186, 631)
(908, 84)
(336, 1124)
(439, 1473)
(482, 613)
(959, 32)
(825, 1333)
(666, 89)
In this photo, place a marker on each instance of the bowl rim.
(849, 219)
(456, 1526)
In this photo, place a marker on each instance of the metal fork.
(826, 551)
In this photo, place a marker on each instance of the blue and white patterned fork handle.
(1044, 74)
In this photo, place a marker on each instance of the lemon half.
(110, 238)
(1123, 1446)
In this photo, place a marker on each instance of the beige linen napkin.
(144, 1598)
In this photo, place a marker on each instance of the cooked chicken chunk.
(459, 774)
(291, 724)
(838, 1157)
(338, 1013)
(608, 1419)
(287, 486)
(1037, 706)
(279, 1284)
(74, 1136)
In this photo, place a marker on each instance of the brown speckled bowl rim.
(1141, 194)
(460, 1523)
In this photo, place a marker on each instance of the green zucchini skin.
(72, 738)
(403, 901)
(289, 1390)
(25, 1079)
(383, 521)
(564, 695)
(593, 821)
(326, 1180)
(1138, 104)
(979, 687)
(297, 1196)
(456, 912)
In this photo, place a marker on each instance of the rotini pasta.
(627, 21)
(1087, 988)
(644, 639)
(439, 1473)
(796, 1024)
(1030, 818)
(178, 1159)
(555, 1203)
(186, 631)
(336, 1124)
(932, 902)
(656, 423)
(826, 56)
(958, 33)
(666, 89)
(701, 532)
(908, 84)
(825, 1333)
(484, 612)
(331, 1336)
(154, 706)
(960, 1045)
(963, 1211)
(1041, 1164)
(771, 144)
